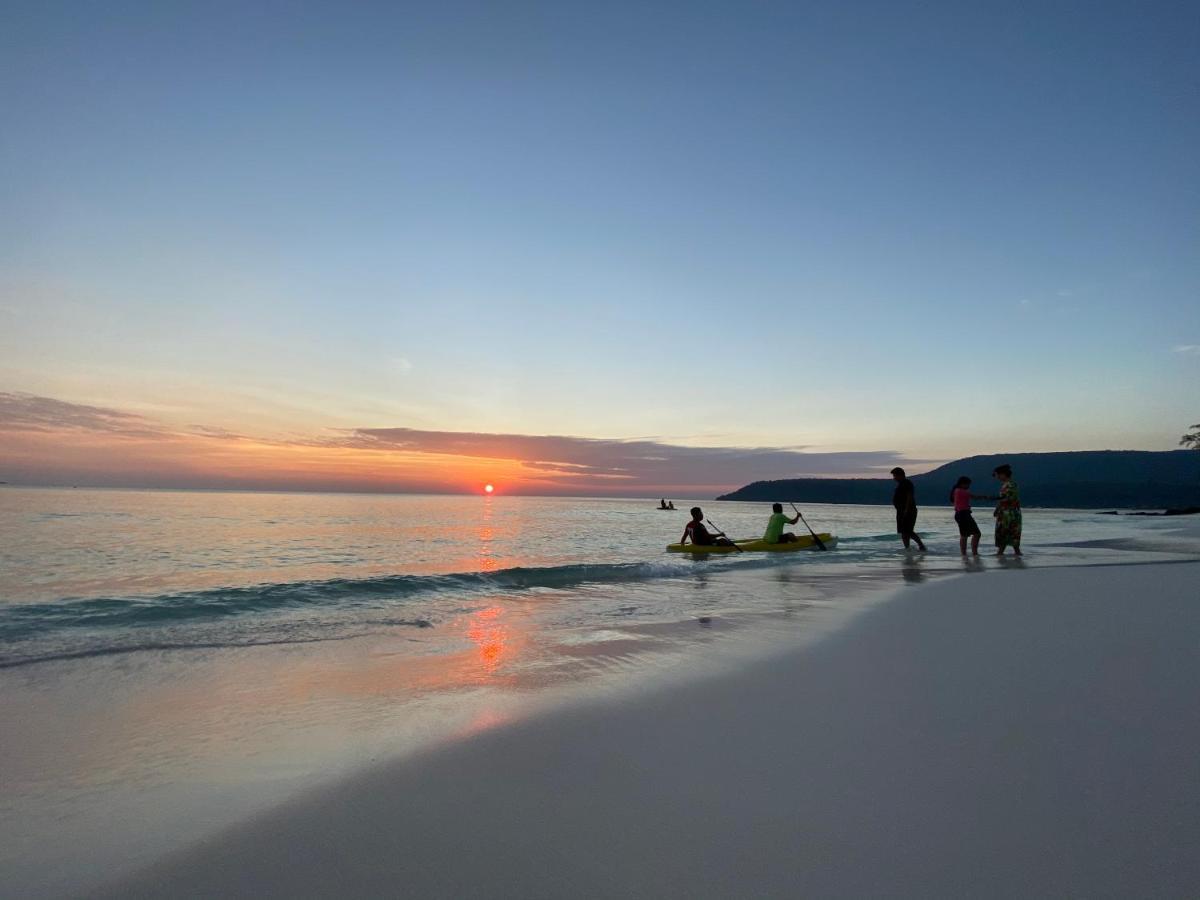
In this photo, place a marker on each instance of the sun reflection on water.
(487, 559)
(490, 636)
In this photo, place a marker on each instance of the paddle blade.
(820, 543)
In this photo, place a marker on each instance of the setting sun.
(487, 488)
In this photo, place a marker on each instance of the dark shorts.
(906, 524)
(966, 523)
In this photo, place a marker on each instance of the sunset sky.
(570, 248)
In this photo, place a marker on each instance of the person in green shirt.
(775, 533)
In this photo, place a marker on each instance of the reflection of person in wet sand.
(911, 571)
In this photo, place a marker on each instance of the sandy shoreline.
(1017, 733)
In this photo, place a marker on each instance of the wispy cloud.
(28, 412)
(55, 436)
(400, 364)
(642, 463)
(1186, 348)
(217, 433)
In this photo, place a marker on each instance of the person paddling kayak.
(775, 533)
(699, 534)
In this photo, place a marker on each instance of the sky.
(606, 248)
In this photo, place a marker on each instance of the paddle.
(820, 543)
(724, 535)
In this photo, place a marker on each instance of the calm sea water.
(93, 572)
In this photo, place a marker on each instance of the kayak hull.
(755, 545)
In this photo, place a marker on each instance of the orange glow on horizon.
(150, 454)
(193, 460)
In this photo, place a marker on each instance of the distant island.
(1084, 479)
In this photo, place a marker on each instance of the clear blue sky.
(933, 228)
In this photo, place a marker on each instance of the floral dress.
(1008, 516)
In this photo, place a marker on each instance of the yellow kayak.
(752, 545)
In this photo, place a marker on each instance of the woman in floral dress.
(1008, 512)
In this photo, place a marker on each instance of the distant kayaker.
(775, 533)
(699, 534)
(905, 501)
(961, 497)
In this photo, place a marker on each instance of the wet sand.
(1004, 733)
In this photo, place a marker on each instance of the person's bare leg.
(974, 545)
(962, 544)
(920, 543)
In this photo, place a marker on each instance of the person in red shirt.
(961, 497)
(699, 534)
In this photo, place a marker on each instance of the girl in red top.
(961, 497)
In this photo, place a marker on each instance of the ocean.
(171, 662)
(96, 572)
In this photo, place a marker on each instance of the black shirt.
(905, 496)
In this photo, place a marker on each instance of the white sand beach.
(1009, 733)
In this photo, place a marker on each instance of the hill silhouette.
(1083, 479)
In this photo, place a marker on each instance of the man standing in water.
(905, 501)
